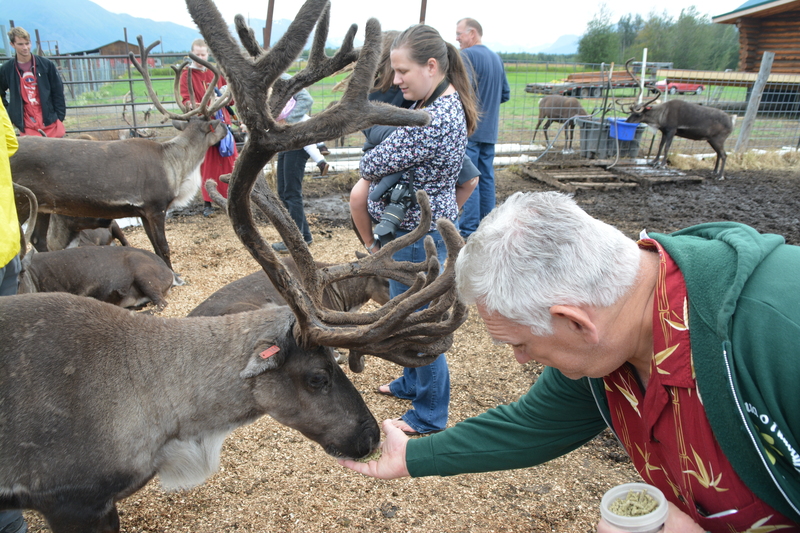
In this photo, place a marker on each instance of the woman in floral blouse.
(430, 72)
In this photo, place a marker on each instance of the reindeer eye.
(318, 381)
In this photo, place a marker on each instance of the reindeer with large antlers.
(96, 400)
(128, 178)
(684, 119)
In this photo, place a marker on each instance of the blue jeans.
(8, 277)
(10, 521)
(482, 200)
(428, 387)
(291, 169)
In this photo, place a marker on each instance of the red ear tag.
(269, 352)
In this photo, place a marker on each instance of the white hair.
(538, 250)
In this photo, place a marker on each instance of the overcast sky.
(514, 24)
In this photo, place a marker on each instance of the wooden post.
(268, 27)
(422, 10)
(39, 51)
(6, 44)
(755, 101)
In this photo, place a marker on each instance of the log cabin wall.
(777, 33)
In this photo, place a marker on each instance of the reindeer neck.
(346, 295)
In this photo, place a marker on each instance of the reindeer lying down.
(119, 275)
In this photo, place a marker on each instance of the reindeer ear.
(266, 356)
(180, 125)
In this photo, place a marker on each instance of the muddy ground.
(274, 480)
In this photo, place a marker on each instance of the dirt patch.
(273, 479)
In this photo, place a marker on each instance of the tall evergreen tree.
(628, 28)
(600, 43)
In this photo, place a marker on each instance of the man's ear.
(578, 321)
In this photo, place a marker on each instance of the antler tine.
(220, 102)
(32, 213)
(148, 83)
(381, 264)
(623, 105)
(404, 314)
(214, 194)
(247, 36)
(628, 69)
(176, 86)
(318, 66)
(400, 327)
(634, 106)
(354, 111)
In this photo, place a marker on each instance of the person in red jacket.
(214, 165)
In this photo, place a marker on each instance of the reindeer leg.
(546, 125)
(536, 129)
(117, 233)
(86, 517)
(39, 236)
(667, 142)
(154, 227)
(570, 135)
(719, 147)
(664, 136)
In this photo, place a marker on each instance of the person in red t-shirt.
(36, 102)
(214, 165)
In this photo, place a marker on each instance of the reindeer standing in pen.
(559, 109)
(103, 400)
(684, 119)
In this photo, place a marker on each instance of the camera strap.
(442, 87)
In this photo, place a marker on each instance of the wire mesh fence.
(107, 98)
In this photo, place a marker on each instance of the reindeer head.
(398, 331)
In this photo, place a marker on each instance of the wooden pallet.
(646, 175)
(570, 178)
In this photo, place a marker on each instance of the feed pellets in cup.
(635, 508)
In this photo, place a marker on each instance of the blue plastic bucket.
(622, 130)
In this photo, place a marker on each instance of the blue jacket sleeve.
(506, 95)
(303, 107)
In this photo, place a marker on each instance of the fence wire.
(106, 98)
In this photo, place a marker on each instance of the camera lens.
(391, 219)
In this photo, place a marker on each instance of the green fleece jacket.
(744, 318)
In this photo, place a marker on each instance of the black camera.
(400, 198)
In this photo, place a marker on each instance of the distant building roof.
(756, 8)
(99, 49)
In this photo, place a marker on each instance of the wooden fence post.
(755, 101)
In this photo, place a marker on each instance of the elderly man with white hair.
(685, 345)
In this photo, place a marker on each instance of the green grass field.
(518, 116)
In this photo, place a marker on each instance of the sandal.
(374, 247)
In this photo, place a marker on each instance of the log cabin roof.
(757, 9)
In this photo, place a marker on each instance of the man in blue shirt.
(491, 87)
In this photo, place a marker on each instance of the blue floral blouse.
(435, 151)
